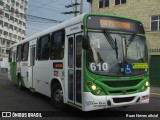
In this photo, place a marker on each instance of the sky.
(49, 9)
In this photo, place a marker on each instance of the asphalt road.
(13, 99)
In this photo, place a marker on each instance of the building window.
(57, 45)
(43, 47)
(13, 1)
(16, 20)
(21, 15)
(20, 22)
(103, 3)
(20, 30)
(12, 9)
(2, 51)
(26, 2)
(118, 2)
(8, 7)
(19, 38)
(11, 27)
(1, 12)
(1, 22)
(15, 36)
(23, 31)
(0, 31)
(15, 28)
(17, 4)
(24, 24)
(5, 24)
(12, 18)
(24, 16)
(8, 43)
(3, 42)
(5, 33)
(7, 15)
(1, 3)
(21, 7)
(10, 35)
(7, 51)
(155, 23)
(25, 10)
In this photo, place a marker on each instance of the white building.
(12, 23)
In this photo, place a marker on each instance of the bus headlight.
(95, 89)
(147, 84)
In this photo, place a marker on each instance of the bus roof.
(62, 25)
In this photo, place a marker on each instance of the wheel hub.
(58, 95)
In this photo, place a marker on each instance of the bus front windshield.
(109, 53)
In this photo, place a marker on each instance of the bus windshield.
(110, 52)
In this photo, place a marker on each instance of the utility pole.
(75, 11)
(75, 14)
(81, 7)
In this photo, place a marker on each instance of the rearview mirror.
(85, 42)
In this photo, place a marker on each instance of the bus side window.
(10, 56)
(43, 47)
(78, 51)
(13, 56)
(57, 45)
(70, 52)
(19, 52)
(25, 50)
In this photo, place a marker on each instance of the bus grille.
(121, 100)
(126, 83)
(120, 91)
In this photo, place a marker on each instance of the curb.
(155, 94)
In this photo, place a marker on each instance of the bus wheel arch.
(57, 97)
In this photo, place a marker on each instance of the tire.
(20, 86)
(125, 106)
(57, 97)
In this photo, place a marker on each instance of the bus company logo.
(88, 103)
(124, 91)
(96, 104)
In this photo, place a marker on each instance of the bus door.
(75, 69)
(31, 65)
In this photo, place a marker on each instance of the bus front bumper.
(93, 102)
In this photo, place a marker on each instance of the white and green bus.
(91, 62)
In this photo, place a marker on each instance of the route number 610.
(99, 67)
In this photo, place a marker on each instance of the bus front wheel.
(57, 96)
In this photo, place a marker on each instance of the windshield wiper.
(131, 39)
(109, 39)
(112, 43)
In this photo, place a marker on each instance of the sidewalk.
(155, 90)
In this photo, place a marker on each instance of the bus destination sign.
(114, 23)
